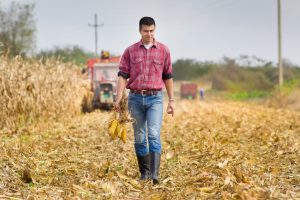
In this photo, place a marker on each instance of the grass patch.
(289, 86)
(249, 95)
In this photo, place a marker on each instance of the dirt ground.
(211, 150)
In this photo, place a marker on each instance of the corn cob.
(113, 127)
(123, 135)
(120, 129)
(117, 124)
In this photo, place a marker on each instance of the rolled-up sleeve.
(124, 69)
(167, 71)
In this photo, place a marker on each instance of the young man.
(145, 67)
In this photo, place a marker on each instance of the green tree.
(17, 29)
(67, 54)
(189, 69)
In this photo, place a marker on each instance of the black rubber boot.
(144, 165)
(154, 167)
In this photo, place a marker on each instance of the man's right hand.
(120, 89)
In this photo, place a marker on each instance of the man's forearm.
(169, 87)
(120, 88)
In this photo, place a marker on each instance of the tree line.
(246, 73)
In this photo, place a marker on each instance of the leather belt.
(145, 92)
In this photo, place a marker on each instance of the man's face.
(147, 33)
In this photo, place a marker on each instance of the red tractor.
(103, 76)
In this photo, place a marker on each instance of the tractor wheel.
(87, 103)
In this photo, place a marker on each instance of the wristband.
(171, 100)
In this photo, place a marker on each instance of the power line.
(96, 26)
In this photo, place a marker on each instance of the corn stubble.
(211, 150)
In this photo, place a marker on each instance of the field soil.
(211, 150)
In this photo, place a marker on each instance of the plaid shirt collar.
(154, 44)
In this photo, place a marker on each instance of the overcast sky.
(197, 29)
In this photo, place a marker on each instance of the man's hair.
(148, 21)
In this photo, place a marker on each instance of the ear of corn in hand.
(123, 135)
(116, 129)
(112, 127)
(118, 120)
(120, 130)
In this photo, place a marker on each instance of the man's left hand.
(171, 107)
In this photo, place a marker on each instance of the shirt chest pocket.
(157, 66)
(137, 65)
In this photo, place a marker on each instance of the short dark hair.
(148, 21)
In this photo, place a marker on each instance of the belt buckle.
(142, 92)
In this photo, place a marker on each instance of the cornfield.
(33, 91)
(211, 149)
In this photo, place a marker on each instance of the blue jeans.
(147, 111)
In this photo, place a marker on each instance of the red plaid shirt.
(146, 69)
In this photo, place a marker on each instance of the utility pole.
(279, 45)
(96, 25)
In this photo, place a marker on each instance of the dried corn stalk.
(34, 91)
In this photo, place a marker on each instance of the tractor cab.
(103, 75)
